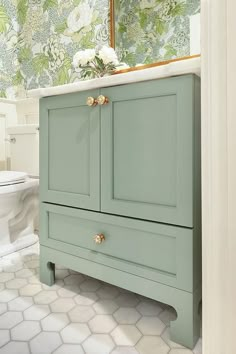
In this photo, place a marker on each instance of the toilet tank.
(24, 148)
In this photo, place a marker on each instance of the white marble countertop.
(190, 66)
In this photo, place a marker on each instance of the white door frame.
(218, 26)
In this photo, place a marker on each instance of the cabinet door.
(147, 150)
(70, 151)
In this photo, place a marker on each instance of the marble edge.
(190, 66)
(8, 100)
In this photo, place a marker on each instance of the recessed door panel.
(141, 174)
(147, 151)
(70, 142)
(71, 145)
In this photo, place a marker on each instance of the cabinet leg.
(185, 330)
(47, 271)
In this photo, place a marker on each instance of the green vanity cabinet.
(120, 191)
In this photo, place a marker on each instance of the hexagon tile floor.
(76, 315)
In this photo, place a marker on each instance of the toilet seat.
(14, 181)
(12, 177)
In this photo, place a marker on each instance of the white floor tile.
(36, 312)
(32, 264)
(8, 295)
(108, 292)
(55, 322)
(25, 330)
(90, 285)
(3, 308)
(105, 307)
(126, 315)
(30, 290)
(102, 324)
(4, 336)
(4, 277)
(75, 333)
(81, 313)
(69, 349)
(45, 297)
(77, 315)
(45, 343)
(69, 291)
(151, 326)
(127, 300)
(126, 335)
(152, 345)
(62, 305)
(25, 273)
(16, 283)
(15, 348)
(124, 350)
(98, 344)
(86, 298)
(74, 279)
(149, 308)
(10, 319)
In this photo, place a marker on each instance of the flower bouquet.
(96, 63)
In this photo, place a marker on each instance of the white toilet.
(19, 190)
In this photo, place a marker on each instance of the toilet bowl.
(18, 210)
(18, 190)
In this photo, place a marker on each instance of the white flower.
(83, 57)
(108, 55)
(80, 17)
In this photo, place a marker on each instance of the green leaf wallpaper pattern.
(153, 30)
(4, 20)
(9, 64)
(38, 38)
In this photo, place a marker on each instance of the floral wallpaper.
(153, 30)
(38, 38)
(9, 64)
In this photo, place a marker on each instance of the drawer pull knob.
(99, 238)
(91, 101)
(102, 100)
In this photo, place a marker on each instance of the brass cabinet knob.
(99, 238)
(102, 100)
(91, 101)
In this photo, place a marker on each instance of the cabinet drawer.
(158, 252)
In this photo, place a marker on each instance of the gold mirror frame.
(144, 66)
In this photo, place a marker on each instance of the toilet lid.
(12, 177)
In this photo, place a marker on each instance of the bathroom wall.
(38, 38)
(27, 111)
(52, 31)
(153, 30)
(8, 117)
(14, 112)
(9, 64)
(48, 34)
